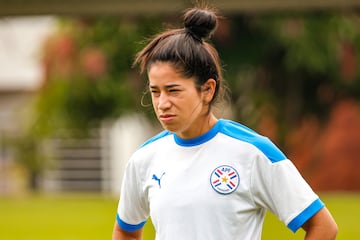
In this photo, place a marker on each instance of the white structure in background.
(20, 41)
(124, 137)
(20, 66)
(20, 75)
(94, 164)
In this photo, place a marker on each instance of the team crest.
(224, 179)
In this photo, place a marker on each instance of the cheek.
(192, 106)
(194, 100)
(154, 103)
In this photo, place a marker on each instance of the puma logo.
(154, 177)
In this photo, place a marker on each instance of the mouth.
(166, 117)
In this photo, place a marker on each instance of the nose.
(163, 102)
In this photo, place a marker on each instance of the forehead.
(164, 73)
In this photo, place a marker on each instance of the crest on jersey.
(224, 179)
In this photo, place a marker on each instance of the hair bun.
(200, 23)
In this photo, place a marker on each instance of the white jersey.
(216, 186)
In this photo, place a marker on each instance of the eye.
(154, 92)
(174, 91)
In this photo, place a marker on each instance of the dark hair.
(187, 49)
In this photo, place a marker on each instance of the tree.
(288, 66)
(87, 79)
(281, 69)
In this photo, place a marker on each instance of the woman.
(203, 177)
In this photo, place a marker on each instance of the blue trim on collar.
(200, 139)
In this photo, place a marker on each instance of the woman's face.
(179, 106)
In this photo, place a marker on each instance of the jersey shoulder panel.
(149, 148)
(243, 133)
(156, 137)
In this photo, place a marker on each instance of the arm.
(119, 234)
(321, 226)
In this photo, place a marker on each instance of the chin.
(170, 127)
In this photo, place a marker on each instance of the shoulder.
(242, 133)
(142, 156)
(155, 138)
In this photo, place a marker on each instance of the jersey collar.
(200, 139)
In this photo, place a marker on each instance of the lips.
(166, 117)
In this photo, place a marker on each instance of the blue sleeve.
(305, 215)
(128, 227)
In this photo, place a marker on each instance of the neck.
(202, 126)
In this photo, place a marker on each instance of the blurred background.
(71, 114)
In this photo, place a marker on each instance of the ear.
(208, 90)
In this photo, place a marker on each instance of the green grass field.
(91, 217)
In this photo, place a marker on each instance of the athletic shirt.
(215, 186)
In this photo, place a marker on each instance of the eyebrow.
(166, 86)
